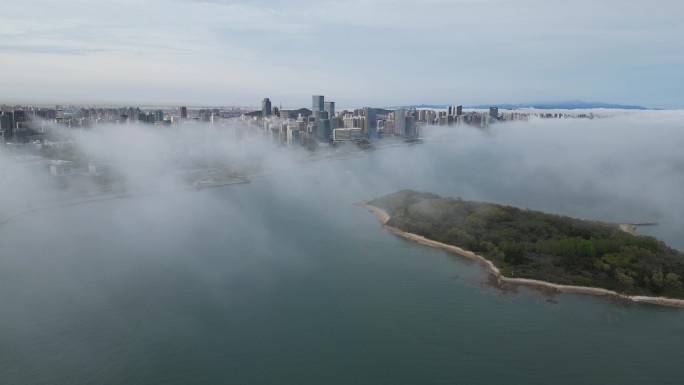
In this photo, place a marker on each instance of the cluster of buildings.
(40, 139)
(20, 125)
(322, 123)
(28, 124)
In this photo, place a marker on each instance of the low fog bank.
(190, 260)
(625, 167)
(111, 160)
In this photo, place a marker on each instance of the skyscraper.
(183, 112)
(400, 122)
(317, 104)
(459, 110)
(6, 125)
(329, 107)
(265, 108)
(18, 117)
(493, 112)
(371, 123)
(323, 131)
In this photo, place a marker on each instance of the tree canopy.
(537, 245)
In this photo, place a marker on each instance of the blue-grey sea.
(284, 281)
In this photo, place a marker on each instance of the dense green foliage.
(532, 244)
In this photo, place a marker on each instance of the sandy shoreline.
(383, 216)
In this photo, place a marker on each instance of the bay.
(284, 281)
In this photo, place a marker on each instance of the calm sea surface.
(283, 281)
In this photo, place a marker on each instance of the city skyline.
(394, 53)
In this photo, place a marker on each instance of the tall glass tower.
(400, 122)
(317, 104)
(329, 107)
(265, 107)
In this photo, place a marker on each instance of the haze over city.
(371, 52)
(341, 192)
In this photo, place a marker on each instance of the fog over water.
(282, 280)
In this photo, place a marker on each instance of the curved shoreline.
(383, 217)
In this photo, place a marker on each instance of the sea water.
(284, 281)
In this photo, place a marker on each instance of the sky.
(356, 52)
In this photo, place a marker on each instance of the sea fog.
(622, 166)
(284, 280)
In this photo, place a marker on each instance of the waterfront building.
(293, 136)
(329, 107)
(347, 134)
(265, 107)
(323, 130)
(317, 103)
(493, 112)
(422, 115)
(370, 123)
(400, 122)
(60, 167)
(410, 125)
(335, 122)
(349, 121)
(95, 168)
(6, 125)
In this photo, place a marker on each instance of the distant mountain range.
(569, 105)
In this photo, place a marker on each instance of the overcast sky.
(356, 52)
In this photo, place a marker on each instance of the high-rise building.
(493, 112)
(459, 110)
(6, 125)
(410, 124)
(317, 104)
(265, 108)
(371, 123)
(329, 107)
(183, 112)
(323, 131)
(18, 119)
(335, 122)
(400, 122)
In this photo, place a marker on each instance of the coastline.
(383, 217)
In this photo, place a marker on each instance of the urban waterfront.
(283, 280)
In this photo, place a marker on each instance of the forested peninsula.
(526, 245)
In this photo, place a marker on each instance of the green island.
(526, 244)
